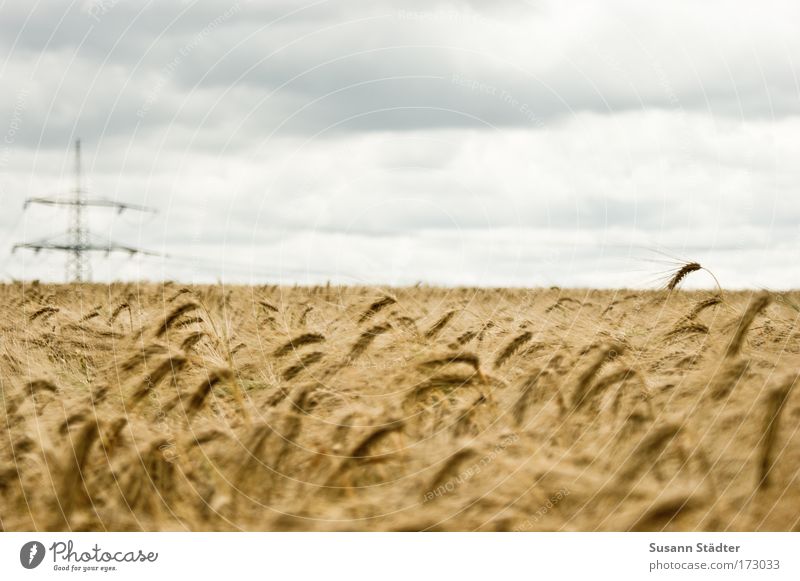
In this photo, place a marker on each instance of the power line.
(78, 240)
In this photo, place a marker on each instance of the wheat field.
(130, 407)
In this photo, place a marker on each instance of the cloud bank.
(523, 143)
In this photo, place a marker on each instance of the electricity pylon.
(78, 240)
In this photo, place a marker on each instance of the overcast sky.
(511, 142)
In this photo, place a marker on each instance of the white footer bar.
(400, 556)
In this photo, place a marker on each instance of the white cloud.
(496, 207)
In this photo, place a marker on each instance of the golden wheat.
(356, 408)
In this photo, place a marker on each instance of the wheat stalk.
(755, 308)
(774, 404)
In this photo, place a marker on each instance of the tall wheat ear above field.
(684, 270)
(164, 407)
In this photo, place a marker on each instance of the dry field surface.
(161, 407)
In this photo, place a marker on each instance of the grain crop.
(159, 407)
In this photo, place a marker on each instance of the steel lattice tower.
(78, 267)
(78, 240)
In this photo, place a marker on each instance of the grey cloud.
(455, 65)
(459, 133)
